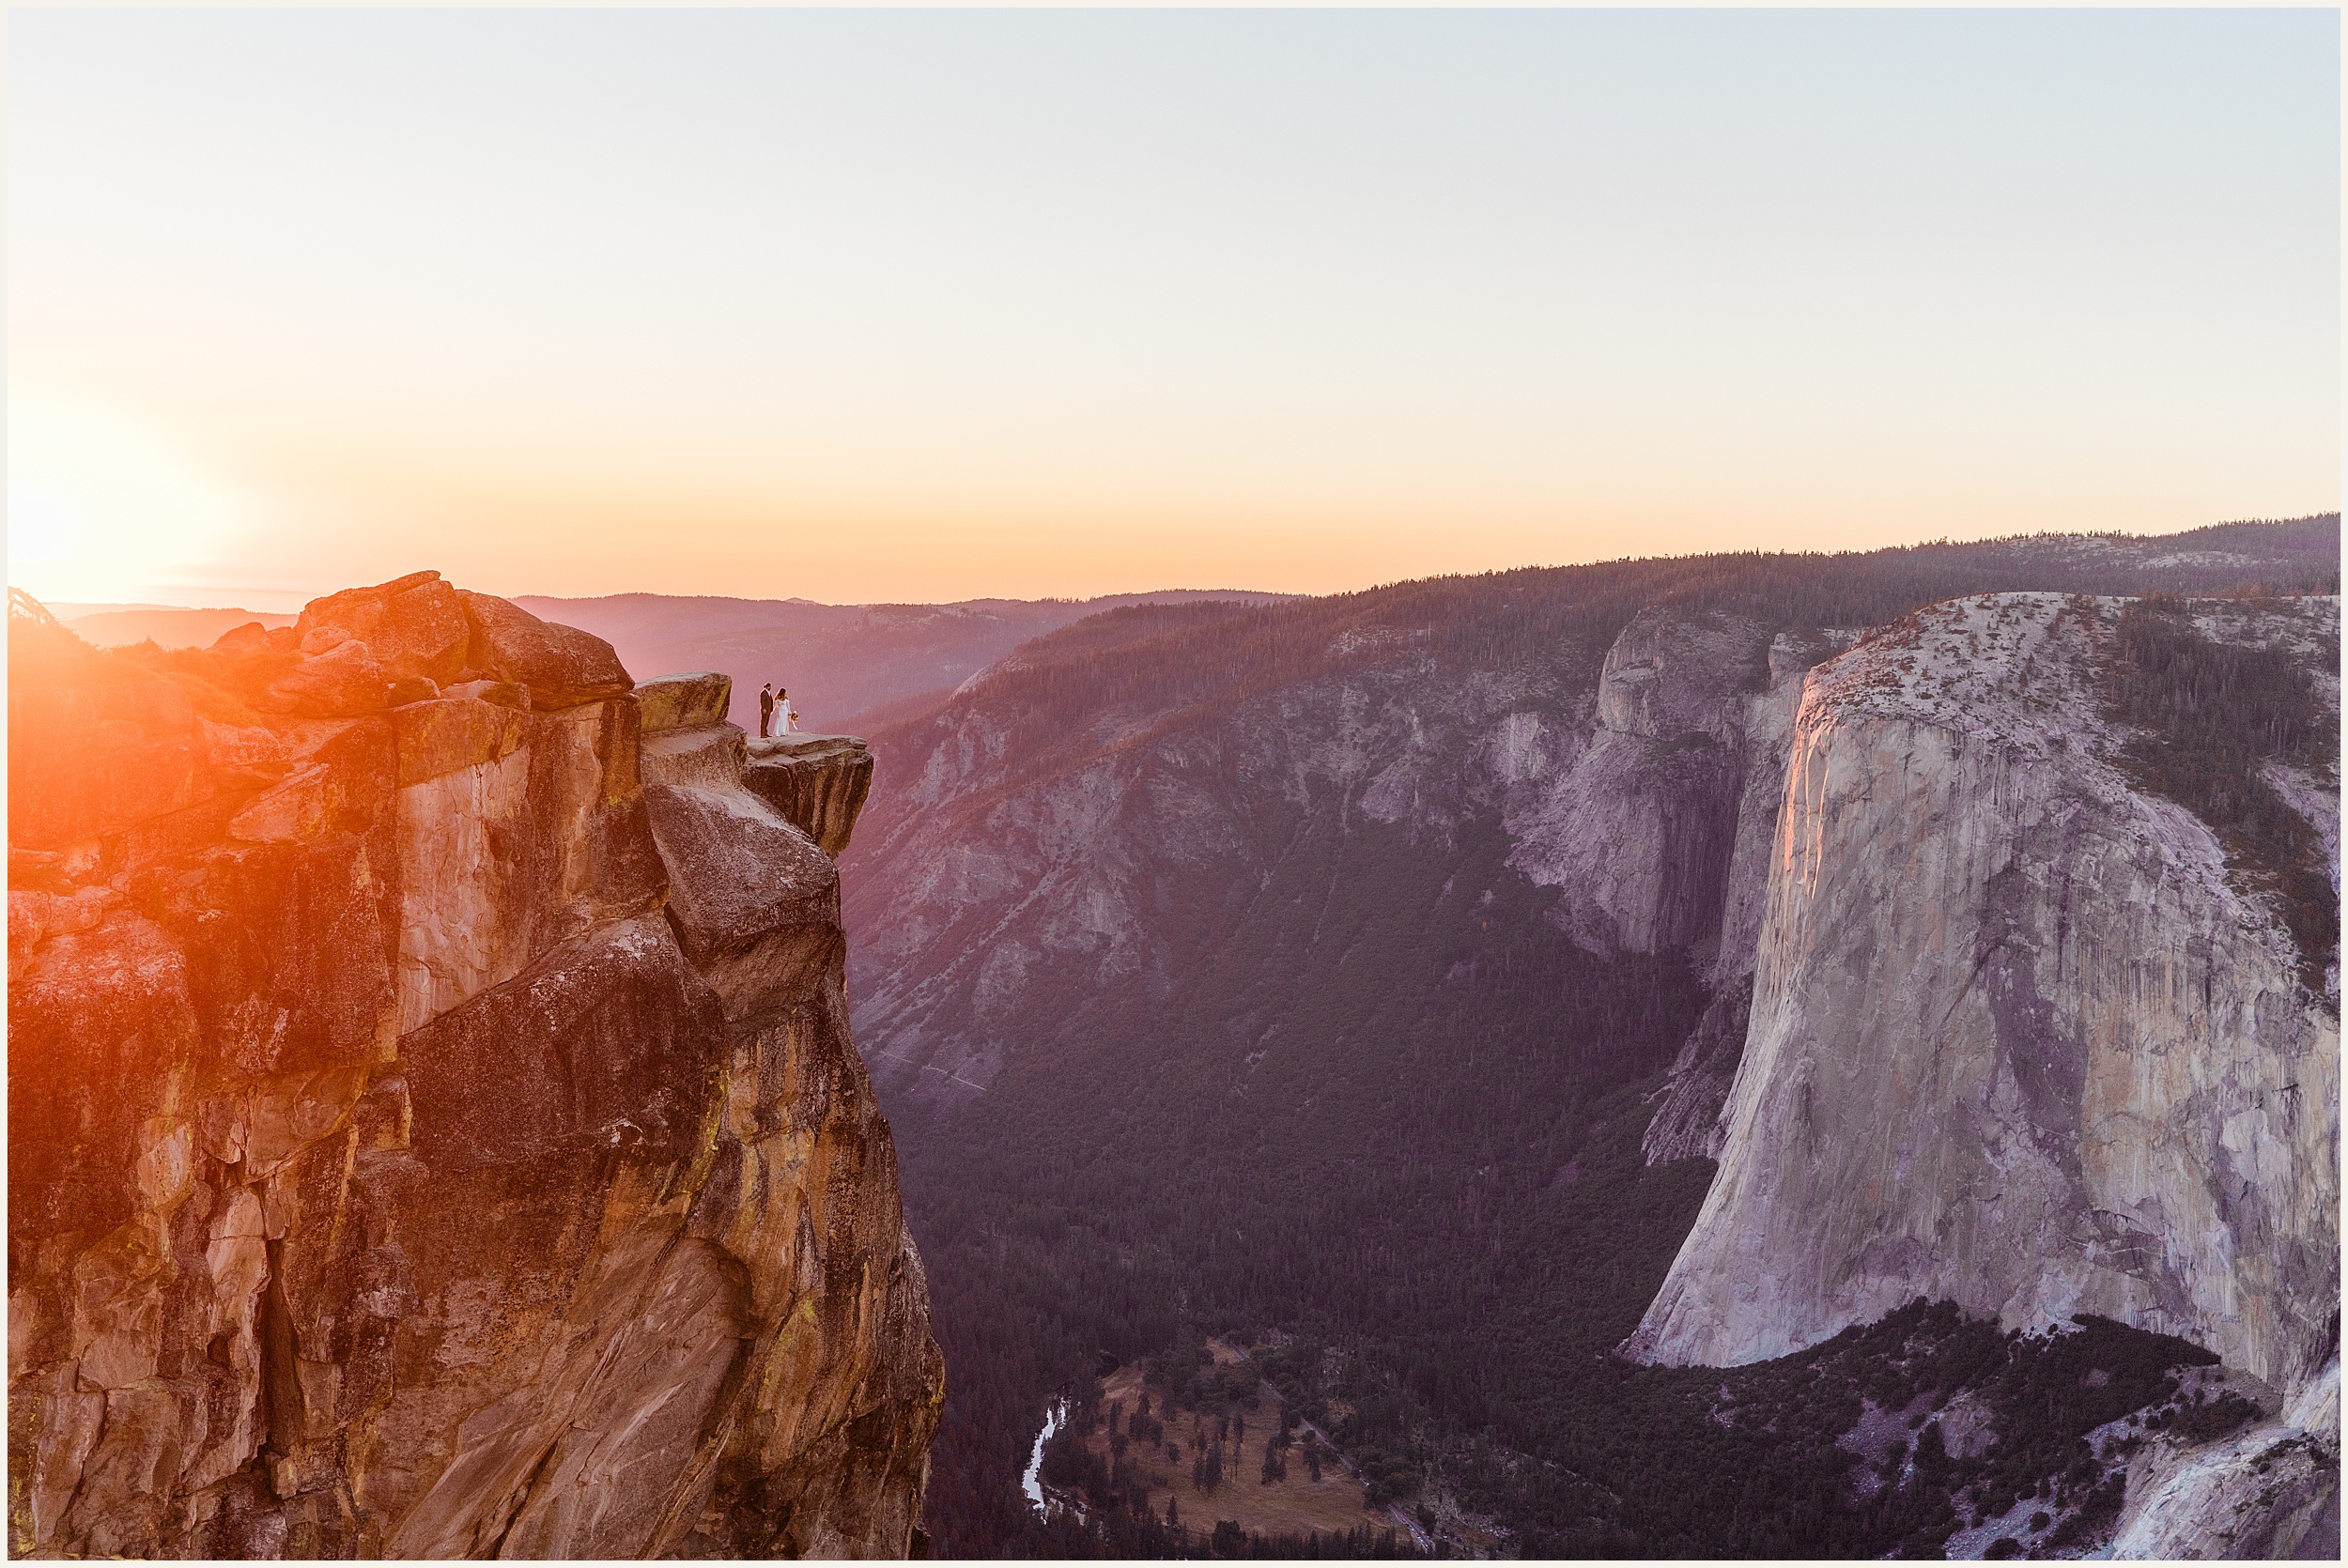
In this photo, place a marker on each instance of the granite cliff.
(2029, 1035)
(434, 1126)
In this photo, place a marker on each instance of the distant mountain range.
(166, 625)
(847, 667)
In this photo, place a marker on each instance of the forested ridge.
(2211, 714)
(1429, 1210)
(1119, 677)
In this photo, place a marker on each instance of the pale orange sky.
(926, 306)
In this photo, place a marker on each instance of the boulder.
(45, 870)
(415, 626)
(686, 701)
(710, 758)
(750, 896)
(506, 694)
(344, 678)
(561, 665)
(603, 1043)
(291, 812)
(35, 916)
(454, 733)
(251, 638)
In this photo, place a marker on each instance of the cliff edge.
(434, 1128)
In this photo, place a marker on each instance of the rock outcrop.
(818, 782)
(1687, 1125)
(2019, 1037)
(434, 1126)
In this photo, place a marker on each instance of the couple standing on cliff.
(776, 716)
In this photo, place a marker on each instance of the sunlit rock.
(388, 1174)
(817, 782)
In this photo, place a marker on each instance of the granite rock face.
(691, 701)
(818, 782)
(1639, 777)
(428, 1137)
(2022, 1038)
(1639, 830)
(2018, 1038)
(1659, 830)
(1008, 883)
(1687, 1125)
(414, 626)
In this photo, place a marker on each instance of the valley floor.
(1293, 1504)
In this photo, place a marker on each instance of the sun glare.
(101, 509)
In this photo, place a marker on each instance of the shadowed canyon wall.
(434, 1125)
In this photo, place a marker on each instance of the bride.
(786, 716)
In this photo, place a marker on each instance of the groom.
(765, 708)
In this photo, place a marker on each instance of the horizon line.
(88, 607)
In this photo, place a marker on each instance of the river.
(1033, 1483)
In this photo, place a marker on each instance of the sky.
(921, 306)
